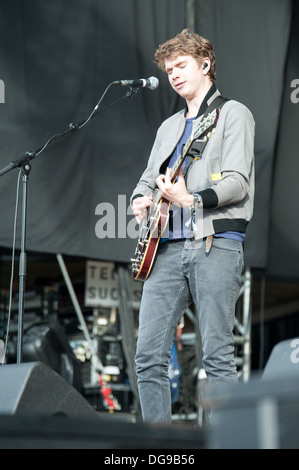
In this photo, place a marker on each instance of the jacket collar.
(206, 101)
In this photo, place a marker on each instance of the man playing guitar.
(208, 192)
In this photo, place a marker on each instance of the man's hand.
(139, 206)
(174, 192)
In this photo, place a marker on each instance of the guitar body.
(149, 238)
(153, 226)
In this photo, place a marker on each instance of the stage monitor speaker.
(35, 389)
(21, 432)
(263, 413)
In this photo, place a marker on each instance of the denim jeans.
(183, 272)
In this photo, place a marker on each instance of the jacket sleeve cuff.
(209, 198)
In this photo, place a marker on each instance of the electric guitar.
(154, 223)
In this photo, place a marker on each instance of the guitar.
(153, 225)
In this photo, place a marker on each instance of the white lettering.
(105, 227)
(115, 460)
(295, 93)
(295, 353)
(2, 92)
(122, 216)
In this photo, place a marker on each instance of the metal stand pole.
(23, 264)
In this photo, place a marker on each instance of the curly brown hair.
(186, 43)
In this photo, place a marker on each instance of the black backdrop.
(56, 60)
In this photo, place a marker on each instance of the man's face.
(185, 76)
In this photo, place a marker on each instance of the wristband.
(197, 201)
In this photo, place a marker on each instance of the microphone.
(152, 83)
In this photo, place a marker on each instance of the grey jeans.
(184, 272)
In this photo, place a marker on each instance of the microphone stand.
(25, 166)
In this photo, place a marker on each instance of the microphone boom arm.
(23, 163)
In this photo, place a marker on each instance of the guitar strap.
(198, 146)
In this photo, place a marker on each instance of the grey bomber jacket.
(223, 176)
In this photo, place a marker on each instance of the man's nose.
(175, 72)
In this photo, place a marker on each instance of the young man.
(219, 185)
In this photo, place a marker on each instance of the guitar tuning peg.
(213, 130)
(209, 135)
(205, 138)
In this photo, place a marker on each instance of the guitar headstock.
(207, 125)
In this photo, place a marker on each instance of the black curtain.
(56, 60)
(284, 227)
